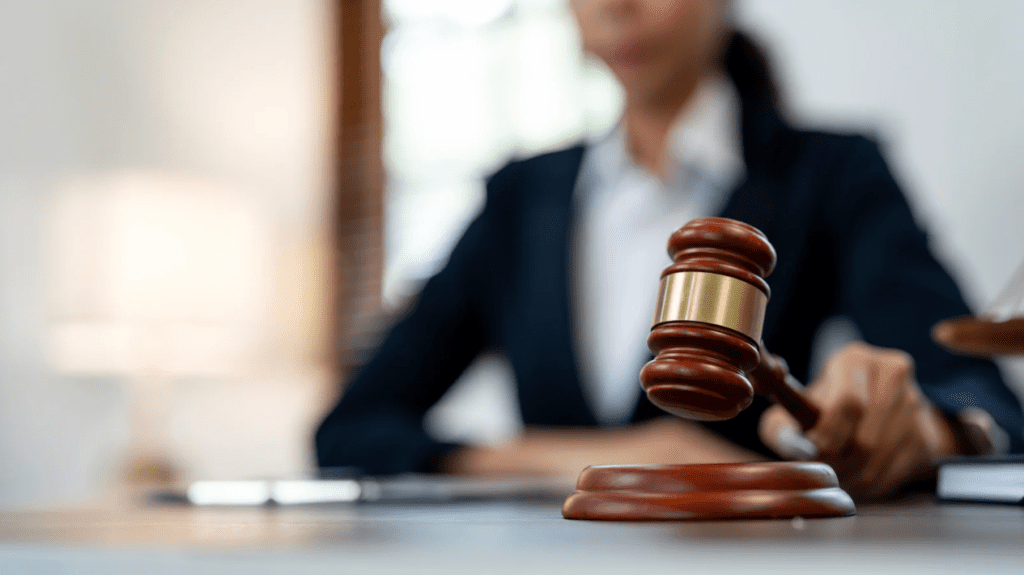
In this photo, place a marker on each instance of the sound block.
(768, 490)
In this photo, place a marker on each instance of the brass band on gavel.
(711, 298)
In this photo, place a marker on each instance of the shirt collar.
(705, 139)
(706, 136)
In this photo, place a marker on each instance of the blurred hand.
(876, 429)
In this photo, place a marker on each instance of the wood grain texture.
(768, 490)
(699, 369)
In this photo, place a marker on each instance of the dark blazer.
(847, 244)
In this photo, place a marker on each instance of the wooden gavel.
(706, 332)
(709, 362)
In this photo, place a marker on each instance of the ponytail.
(748, 67)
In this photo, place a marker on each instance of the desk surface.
(492, 537)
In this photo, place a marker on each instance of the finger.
(904, 468)
(891, 379)
(780, 432)
(880, 463)
(833, 379)
(843, 404)
(848, 463)
(793, 445)
(874, 438)
(899, 435)
(906, 431)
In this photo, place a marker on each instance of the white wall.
(63, 101)
(234, 90)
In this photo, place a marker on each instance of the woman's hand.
(566, 452)
(876, 428)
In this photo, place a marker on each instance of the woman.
(559, 272)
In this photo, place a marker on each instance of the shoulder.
(556, 164)
(848, 185)
(830, 152)
(850, 163)
(544, 177)
(829, 167)
(805, 160)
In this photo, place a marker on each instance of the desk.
(913, 537)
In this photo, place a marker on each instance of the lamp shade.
(155, 271)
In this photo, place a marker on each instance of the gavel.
(707, 325)
(709, 363)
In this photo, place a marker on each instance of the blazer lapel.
(548, 312)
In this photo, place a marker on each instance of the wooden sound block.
(769, 490)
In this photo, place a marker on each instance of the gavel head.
(707, 324)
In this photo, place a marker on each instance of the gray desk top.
(916, 537)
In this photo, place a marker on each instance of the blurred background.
(209, 210)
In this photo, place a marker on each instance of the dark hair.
(748, 67)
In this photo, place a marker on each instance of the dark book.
(982, 479)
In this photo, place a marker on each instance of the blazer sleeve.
(893, 288)
(377, 425)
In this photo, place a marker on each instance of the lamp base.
(768, 490)
(149, 470)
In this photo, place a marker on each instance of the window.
(469, 84)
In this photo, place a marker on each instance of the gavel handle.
(771, 377)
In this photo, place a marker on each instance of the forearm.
(538, 452)
(377, 443)
(546, 451)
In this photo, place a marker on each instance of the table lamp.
(153, 278)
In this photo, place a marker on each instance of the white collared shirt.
(626, 215)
